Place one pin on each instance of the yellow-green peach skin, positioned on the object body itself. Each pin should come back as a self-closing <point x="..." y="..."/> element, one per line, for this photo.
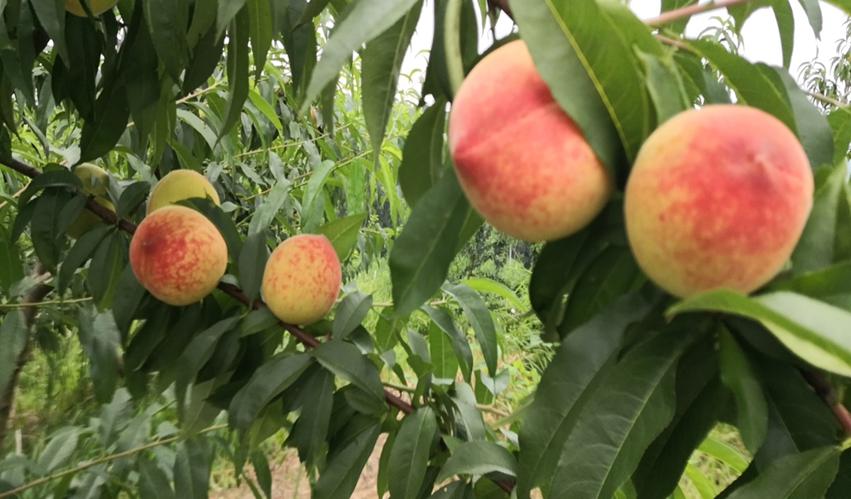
<point x="95" y="182"/>
<point x="97" y="7"/>
<point x="178" y="185"/>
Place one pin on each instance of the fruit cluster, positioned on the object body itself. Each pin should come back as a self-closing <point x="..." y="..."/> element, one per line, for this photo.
<point x="717" y="197"/>
<point x="179" y="256"/>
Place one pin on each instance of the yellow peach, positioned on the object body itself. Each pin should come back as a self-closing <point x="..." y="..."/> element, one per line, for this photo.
<point x="178" y="185"/>
<point x="521" y="160"/>
<point x="717" y="198"/>
<point x="302" y="279"/>
<point x="95" y="182"/>
<point x="178" y="255"/>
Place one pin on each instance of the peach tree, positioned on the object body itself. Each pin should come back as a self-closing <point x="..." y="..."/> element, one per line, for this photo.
<point x="694" y="208"/>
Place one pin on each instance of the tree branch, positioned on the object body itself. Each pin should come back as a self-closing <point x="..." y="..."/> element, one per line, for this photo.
<point x="231" y="290"/>
<point x="684" y="12"/>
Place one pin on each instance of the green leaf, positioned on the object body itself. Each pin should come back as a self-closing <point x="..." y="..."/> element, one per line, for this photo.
<point x="364" y="22"/>
<point x="267" y="382"/>
<point x="786" y="29"/>
<point x="842" y="485"/>
<point x="108" y="263"/>
<point x="252" y="263"/>
<point x="478" y="458"/>
<point x="725" y="453"/>
<point x="192" y="467"/>
<point x="611" y="274"/>
<point x="167" y="21"/>
<point x="59" y="449"/>
<point x="101" y="133"/>
<point x="269" y="208"/>
<point x="312" y="203"/>
<point x="350" y="314"/>
<point x="486" y="285"/>
<point x="828" y="284"/>
<point x="410" y="453"/>
<point x="614" y="429"/>
<point x="460" y="345"/>
<point x="576" y="368"/>
<point x="817" y="246"/>
<point x="346" y="361"/>
<point x="798" y="476"/>
<point x="265" y="107"/>
<point x="205" y="57"/>
<point x="664" y="84"/>
<point x="260" y="22"/>
<point x="237" y="67"/>
<point x="227" y="11"/>
<point x="480" y="319"/>
<point x="813" y="10"/>
<point x="299" y="41"/>
<point x="79" y="254"/>
<point x="422" y="157"/>
<point x="347" y="460"/>
<point x="813" y="330"/>
<point x="13" y="341"/>
<point x="153" y="482"/>
<point x="51" y="16"/>
<point x="381" y="64"/>
<point x="11" y="270"/>
<point x="343" y="233"/>
<point x="739" y="377"/>
<point x="313" y="9"/>
<point x="584" y="51"/>
<point x="145" y="340"/>
<point x="132" y="198"/>
<point x="444" y="362"/>
<point x="420" y="258"/>
<point x="813" y="128"/>
<point x="101" y="339"/>
<point x="51" y="178"/>
<point x="310" y="431"/>
<point x="197" y="353"/>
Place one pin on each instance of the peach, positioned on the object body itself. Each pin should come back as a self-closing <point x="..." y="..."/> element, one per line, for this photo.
<point x="717" y="198"/>
<point x="97" y="7"/>
<point x="302" y="279"/>
<point x="522" y="162"/>
<point x="178" y="185"/>
<point x="95" y="182"/>
<point x="178" y="255"/>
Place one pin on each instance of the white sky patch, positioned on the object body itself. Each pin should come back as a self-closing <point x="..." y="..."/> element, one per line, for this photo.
<point x="761" y="38"/>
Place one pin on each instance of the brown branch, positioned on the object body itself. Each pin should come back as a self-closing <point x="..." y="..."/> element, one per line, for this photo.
<point x="34" y="295"/>
<point x="684" y="12"/>
<point x="231" y="290"/>
<point x="824" y="389"/>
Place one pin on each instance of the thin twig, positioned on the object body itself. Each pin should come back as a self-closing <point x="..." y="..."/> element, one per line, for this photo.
<point x="685" y="12"/>
<point x="105" y="459"/>
<point x="43" y="303"/>
<point x="826" y="99"/>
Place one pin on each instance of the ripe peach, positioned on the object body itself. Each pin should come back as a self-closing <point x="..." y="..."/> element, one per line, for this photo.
<point x="302" y="279"/>
<point x="522" y="162"/>
<point x="97" y="7"/>
<point x="95" y="182"/>
<point x="717" y="198"/>
<point x="178" y="185"/>
<point x="178" y="255"/>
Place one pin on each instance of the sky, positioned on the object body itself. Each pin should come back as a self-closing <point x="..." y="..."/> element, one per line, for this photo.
<point x="761" y="39"/>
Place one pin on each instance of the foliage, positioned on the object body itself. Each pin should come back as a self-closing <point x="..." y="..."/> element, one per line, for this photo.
<point x="605" y="387"/>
